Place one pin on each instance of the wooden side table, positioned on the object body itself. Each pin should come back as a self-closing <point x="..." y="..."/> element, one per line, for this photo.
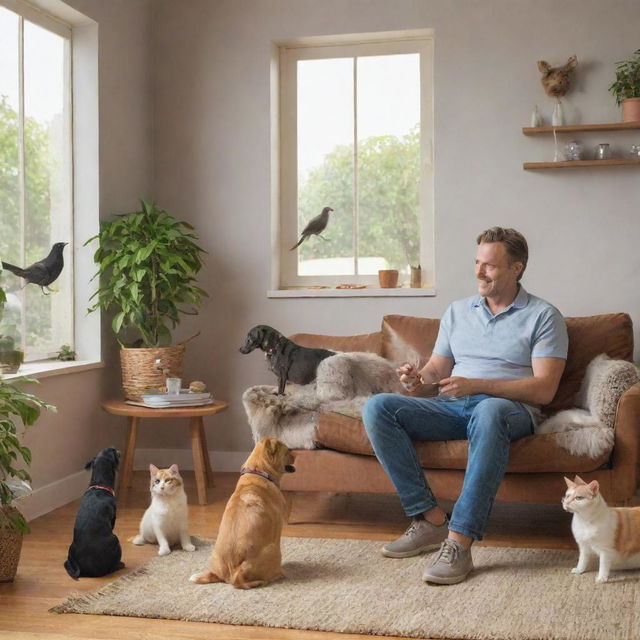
<point x="201" y="463"/>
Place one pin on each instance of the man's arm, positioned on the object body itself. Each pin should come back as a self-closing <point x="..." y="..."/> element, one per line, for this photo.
<point x="539" y="389"/>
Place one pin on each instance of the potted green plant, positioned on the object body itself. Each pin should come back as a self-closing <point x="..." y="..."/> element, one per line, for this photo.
<point x="14" y="404"/>
<point x="626" y="88"/>
<point x="147" y="262"/>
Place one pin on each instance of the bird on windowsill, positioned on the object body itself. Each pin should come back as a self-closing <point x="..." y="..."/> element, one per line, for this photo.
<point x="315" y="227"/>
<point x="44" y="272"/>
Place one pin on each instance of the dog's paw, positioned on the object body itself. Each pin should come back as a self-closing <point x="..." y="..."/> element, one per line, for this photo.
<point x="602" y="579"/>
<point x="164" y="551"/>
<point x="576" y="570"/>
<point x="189" y="547"/>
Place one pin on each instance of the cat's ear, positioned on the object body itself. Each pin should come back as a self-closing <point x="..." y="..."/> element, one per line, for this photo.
<point x="174" y="468"/>
<point x="153" y="469"/>
<point x="570" y="484"/>
<point x="579" y="480"/>
<point x="594" y="487"/>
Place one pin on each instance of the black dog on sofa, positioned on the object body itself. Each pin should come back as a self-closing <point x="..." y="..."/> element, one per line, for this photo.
<point x="95" y="550"/>
<point x="289" y="361"/>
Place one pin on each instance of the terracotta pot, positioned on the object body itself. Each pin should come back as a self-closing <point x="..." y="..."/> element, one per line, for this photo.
<point x="388" y="278"/>
<point x="631" y="110"/>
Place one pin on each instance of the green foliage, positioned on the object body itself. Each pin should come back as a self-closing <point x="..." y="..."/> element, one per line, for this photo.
<point x="14" y="404"/>
<point x="147" y="265"/>
<point x="627" y="83"/>
<point x="388" y="200"/>
<point x="66" y="353"/>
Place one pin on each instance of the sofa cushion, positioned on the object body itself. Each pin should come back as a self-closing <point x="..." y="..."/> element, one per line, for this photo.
<point x="371" y="342"/>
<point x="408" y="338"/>
<point x="533" y="454"/>
<point x="610" y="333"/>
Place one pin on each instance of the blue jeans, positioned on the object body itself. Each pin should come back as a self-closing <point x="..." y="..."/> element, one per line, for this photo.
<point x="490" y="424"/>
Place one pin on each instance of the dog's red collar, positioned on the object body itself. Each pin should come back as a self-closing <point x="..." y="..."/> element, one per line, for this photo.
<point x="257" y="472"/>
<point x="102" y="486"/>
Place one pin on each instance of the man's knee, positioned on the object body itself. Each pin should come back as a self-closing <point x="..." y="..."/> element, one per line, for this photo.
<point x="492" y="414"/>
<point x="374" y="407"/>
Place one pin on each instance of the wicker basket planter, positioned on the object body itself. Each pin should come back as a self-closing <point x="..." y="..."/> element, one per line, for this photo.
<point x="146" y="369"/>
<point x="10" y="547"/>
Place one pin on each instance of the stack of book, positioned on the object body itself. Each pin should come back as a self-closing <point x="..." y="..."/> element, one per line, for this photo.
<point x="185" y="398"/>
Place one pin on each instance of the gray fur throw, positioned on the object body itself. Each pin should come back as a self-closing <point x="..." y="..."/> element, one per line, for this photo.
<point x="588" y="431"/>
<point x="344" y="382"/>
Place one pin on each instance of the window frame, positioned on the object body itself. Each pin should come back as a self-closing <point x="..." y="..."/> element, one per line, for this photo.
<point x="285" y="235"/>
<point x="83" y="34"/>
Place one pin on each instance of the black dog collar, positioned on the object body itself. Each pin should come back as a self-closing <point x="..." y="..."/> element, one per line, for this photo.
<point x="102" y="486"/>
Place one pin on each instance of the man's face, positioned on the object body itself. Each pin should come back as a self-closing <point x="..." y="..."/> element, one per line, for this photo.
<point x="496" y="275"/>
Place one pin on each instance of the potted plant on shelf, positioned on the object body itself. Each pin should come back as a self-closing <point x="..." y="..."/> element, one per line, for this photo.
<point x="14" y="404"/>
<point x="626" y="88"/>
<point x="147" y="262"/>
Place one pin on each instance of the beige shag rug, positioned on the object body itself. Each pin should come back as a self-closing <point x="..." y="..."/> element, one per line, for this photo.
<point x="347" y="586"/>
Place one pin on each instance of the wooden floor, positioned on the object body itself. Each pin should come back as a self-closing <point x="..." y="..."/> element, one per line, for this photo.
<point x="42" y="581"/>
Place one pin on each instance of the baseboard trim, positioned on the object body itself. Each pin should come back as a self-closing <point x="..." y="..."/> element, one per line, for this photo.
<point x="54" y="495"/>
<point x="65" y="490"/>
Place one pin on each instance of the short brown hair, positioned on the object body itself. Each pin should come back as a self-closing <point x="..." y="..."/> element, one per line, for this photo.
<point x="514" y="242"/>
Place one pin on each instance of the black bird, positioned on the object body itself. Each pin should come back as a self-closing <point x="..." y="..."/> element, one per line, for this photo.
<point x="43" y="272"/>
<point x="315" y="227"/>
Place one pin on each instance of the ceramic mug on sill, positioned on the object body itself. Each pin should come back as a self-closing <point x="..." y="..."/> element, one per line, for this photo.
<point x="388" y="278"/>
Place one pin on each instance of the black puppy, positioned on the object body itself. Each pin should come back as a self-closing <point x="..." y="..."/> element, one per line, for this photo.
<point x="289" y="361"/>
<point x="95" y="550"/>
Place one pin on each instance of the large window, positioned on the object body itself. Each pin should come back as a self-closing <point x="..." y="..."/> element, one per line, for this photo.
<point x="356" y="129"/>
<point x="35" y="175"/>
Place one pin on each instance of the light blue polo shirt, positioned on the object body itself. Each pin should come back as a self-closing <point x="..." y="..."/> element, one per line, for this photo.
<point x="502" y="346"/>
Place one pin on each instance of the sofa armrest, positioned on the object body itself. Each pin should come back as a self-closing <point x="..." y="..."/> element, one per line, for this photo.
<point x="626" y="449"/>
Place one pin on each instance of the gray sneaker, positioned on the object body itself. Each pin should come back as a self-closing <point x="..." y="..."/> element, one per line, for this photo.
<point x="419" y="537"/>
<point x="453" y="564"/>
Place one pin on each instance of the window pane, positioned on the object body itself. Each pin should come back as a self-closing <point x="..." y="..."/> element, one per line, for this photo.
<point x="48" y="321"/>
<point x="10" y="198"/>
<point x="388" y="162"/>
<point x="325" y="163"/>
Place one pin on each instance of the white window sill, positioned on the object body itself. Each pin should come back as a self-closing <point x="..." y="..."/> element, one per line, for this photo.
<point x="368" y="292"/>
<point x="48" y="368"/>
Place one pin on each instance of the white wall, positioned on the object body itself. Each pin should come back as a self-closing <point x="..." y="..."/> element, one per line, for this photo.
<point x="61" y="443"/>
<point x="211" y="128"/>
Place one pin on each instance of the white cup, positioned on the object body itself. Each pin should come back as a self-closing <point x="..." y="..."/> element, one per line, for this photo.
<point x="174" y="385"/>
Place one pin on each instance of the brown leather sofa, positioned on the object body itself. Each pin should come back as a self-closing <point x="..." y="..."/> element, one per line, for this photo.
<point x="344" y="461"/>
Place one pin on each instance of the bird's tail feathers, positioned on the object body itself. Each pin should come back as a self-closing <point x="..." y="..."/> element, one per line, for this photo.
<point x="12" y="267"/>
<point x="297" y="244"/>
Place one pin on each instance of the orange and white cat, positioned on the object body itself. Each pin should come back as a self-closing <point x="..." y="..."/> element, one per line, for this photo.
<point x="610" y="534"/>
<point x="166" y="520"/>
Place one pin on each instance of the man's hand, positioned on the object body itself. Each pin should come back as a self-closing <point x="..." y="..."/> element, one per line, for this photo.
<point x="410" y="377"/>
<point x="456" y="386"/>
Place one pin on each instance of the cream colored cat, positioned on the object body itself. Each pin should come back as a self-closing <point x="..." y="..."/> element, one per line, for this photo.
<point x="166" y="520"/>
<point x="608" y="533"/>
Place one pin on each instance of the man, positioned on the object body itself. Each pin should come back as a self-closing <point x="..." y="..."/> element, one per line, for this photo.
<point x="498" y="356"/>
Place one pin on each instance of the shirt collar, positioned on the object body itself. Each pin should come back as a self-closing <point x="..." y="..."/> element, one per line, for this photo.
<point x="520" y="302"/>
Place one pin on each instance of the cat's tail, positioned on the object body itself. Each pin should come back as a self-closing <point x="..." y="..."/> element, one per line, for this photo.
<point x="72" y="567"/>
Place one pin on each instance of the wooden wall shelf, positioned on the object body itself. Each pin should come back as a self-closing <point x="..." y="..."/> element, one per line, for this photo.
<point x="577" y="164"/>
<point x="573" y="128"/>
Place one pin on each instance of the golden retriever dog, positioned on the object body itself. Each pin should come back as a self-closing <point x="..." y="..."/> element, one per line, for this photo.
<point x="247" y="550"/>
